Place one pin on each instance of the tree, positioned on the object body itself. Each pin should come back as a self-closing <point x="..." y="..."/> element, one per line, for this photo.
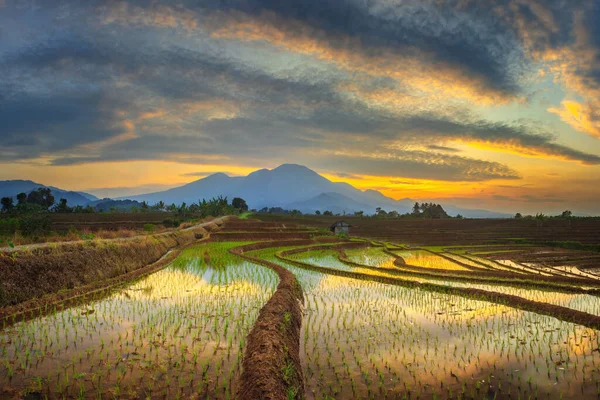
<point x="144" y="206"/>
<point x="62" y="207"/>
<point x="359" y="213"/>
<point x="182" y="210"/>
<point x="21" y="198"/>
<point x="7" y="204"/>
<point x="416" y="209"/>
<point x="432" y="210"/>
<point x="459" y="216"/>
<point x="160" y="206"/>
<point x="327" y="213"/>
<point x="518" y="215"/>
<point x="239" y="203"/>
<point x="42" y="197"/>
<point x="566" y="214"/>
<point x="317" y="212"/>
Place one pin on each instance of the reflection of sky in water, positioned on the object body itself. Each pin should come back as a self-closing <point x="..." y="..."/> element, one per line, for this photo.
<point x="580" y="302"/>
<point x="165" y="327"/>
<point x="426" y="259"/>
<point x="381" y="337"/>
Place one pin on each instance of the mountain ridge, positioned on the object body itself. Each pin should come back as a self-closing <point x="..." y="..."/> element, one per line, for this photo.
<point x="291" y="186"/>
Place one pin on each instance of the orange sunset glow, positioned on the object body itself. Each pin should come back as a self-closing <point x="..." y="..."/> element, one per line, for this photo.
<point x="448" y="101"/>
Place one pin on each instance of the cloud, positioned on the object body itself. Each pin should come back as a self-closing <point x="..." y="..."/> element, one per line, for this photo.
<point x="442" y="148"/>
<point x="347" y="175"/>
<point x="582" y="117"/>
<point x="204" y="173"/>
<point x="377" y="85"/>
<point x="419" y="165"/>
<point x="545" y="199"/>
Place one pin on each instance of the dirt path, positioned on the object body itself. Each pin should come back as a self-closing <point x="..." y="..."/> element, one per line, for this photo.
<point x="33" y="246"/>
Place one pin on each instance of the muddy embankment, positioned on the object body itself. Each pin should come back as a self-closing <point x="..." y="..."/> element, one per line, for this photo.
<point x="271" y="364"/>
<point x="53" y="273"/>
<point x="403" y="270"/>
<point x="558" y="312"/>
<point x="255" y="236"/>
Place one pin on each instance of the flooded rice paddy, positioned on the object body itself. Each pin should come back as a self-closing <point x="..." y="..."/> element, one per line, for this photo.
<point x="181" y="333"/>
<point x="369" y="340"/>
<point x="177" y="332"/>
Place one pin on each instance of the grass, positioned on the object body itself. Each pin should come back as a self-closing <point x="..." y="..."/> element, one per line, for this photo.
<point x="365" y="339"/>
<point x="192" y="316"/>
<point x="245" y="215"/>
<point x="181" y="332"/>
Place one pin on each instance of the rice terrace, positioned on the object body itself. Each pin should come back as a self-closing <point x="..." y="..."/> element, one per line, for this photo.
<point x="300" y="199"/>
<point x="276" y="306"/>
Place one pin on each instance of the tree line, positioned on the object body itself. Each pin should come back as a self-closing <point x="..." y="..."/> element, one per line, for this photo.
<point x="42" y="200"/>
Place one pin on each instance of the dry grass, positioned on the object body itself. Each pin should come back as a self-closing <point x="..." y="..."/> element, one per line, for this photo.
<point x="74" y="235"/>
<point x="33" y="273"/>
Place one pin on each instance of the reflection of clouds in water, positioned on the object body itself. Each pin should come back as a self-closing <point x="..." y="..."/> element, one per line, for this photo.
<point x="425" y="259"/>
<point x="181" y="313"/>
<point x="423" y="338"/>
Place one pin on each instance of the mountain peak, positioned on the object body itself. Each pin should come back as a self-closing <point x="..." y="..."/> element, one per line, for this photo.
<point x="217" y="175"/>
<point x="293" y="168"/>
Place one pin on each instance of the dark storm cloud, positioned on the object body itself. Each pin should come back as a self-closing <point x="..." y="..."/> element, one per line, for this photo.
<point x="481" y="44"/>
<point x="32" y="125"/>
<point x="86" y="83"/>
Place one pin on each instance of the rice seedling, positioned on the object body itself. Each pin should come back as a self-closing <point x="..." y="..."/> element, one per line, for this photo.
<point x="174" y="333"/>
<point x="369" y="340"/>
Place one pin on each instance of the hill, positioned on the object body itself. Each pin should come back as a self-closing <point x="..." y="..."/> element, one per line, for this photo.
<point x="12" y="188"/>
<point x="291" y="186"/>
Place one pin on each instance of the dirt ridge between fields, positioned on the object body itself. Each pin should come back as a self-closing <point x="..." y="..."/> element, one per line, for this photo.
<point x="271" y="363"/>
<point x="554" y="311"/>
<point x="36" y="277"/>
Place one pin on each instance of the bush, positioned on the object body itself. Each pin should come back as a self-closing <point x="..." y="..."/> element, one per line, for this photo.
<point x="171" y="223"/>
<point x="149" y="228"/>
<point x="36" y="225"/>
<point x="9" y="226"/>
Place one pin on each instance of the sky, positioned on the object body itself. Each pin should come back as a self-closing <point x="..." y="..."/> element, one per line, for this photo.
<point x="476" y="103"/>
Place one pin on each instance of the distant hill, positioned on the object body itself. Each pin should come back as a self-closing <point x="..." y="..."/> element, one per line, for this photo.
<point x="106" y="204"/>
<point x="292" y="186"/>
<point x="13" y="187"/>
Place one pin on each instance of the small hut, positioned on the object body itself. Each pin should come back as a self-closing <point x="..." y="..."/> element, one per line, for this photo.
<point x="340" y="227"/>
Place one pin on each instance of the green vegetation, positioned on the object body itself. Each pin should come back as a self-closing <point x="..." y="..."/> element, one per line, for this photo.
<point x="176" y="333"/>
<point x="378" y="321"/>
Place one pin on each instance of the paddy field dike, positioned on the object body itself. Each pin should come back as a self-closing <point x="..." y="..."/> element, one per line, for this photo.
<point x="280" y="308"/>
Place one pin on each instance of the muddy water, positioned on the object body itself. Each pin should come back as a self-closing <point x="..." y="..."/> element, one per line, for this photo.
<point x="369" y="340"/>
<point x="176" y="333"/>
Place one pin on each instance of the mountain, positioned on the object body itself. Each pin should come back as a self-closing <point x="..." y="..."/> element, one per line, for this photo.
<point x="108" y="204"/>
<point x="13" y="187"/>
<point x="292" y="186"/>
